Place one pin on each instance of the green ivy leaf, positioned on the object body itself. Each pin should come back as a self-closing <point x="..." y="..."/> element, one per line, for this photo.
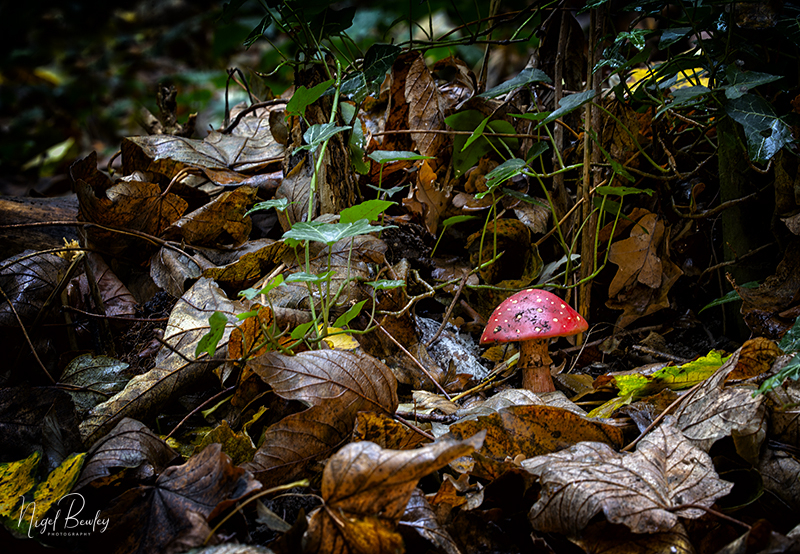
<point x="671" y="36"/>
<point x="740" y="82"/>
<point x="386" y="284"/>
<point x="303" y="97"/>
<point x="330" y="233"/>
<point x="501" y="174"/>
<point x="569" y="104"/>
<point x="279" y="204"/>
<point x="766" y="133"/>
<point x="349" y="315"/>
<point x="527" y="75"/>
<point x="258" y="31"/>
<point x="252" y="293"/>
<point x="469" y="120"/>
<point x="387" y="156"/>
<point x="622" y="191"/>
<point x="732" y="296"/>
<point x="313" y="278"/>
<point x="209" y="341"/>
<point x="319" y="133"/>
<point x="369" y="210"/>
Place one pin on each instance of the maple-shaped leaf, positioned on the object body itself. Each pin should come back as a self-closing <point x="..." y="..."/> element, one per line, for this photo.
<point x="366" y="489"/>
<point x="637" y="256"/>
<point x="646" y="491"/>
<point x="151" y="518"/>
<point x="715" y="411"/>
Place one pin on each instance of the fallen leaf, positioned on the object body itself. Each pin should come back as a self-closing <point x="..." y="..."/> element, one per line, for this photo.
<point x="220" y="222"/>
<point x="337" y="384"/>
<point x="386" y="432"/>
<point x="756" y="357"/>
<point x="531" y="431"/>
<point x="779" y="471"/>
<point x="176" y="366"/>
<point x="131" y="451"/>
<point x="426" y="108"/>
<point x="151" y="518"/>
<point x="420" y="517"/>
<point x="428" y="197"/>
<point x="366" y="489"/>
<point x="605" y="537"/>
<point x="715" y="411"/>
<point x="644" y="491"/>
<point x="27" y="282"/>
<point x="34" y="499"/>
<point x="134" y="204"/>
<point x="762" y="306"/>
<point x="636" y="256"/>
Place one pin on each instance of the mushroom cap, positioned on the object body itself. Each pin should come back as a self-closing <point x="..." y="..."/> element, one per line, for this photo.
<point x="532" y="314"/>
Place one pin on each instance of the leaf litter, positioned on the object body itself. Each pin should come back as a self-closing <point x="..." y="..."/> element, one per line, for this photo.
<point x="373" y="464"/>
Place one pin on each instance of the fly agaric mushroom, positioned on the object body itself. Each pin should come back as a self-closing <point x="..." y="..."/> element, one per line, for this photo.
<point x="533" y="316"/>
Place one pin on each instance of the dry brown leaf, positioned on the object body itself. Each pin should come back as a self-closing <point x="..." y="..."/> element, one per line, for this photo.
<point x="715" y="411"/>
<point x="366" y="489"/>
<point x="428" y="199"/>
<point x="131" y="447"/>
<point x="420" y="517"/>
<point x="643" y="491"/>
<point x="530" y="431"/>
<point x="386" y="432"/>
<point x="636" y="256"/>
<point x="175" y="368"/>
<point x="220" y="222"/>
<point x="785" y="408"/>
<point x="603" y="537"/>
<point x="252" y="261"/>
<point x="294" y="188"/>
<point x="135" y="204"/>
<point x="154" y="518"/>
<point x="425" y="108"/>
<point x="779" y="471"/>
<point x="763" y="306"/>
<point x="337" y="384"/>
<point x="27" y="281"/>
<point x="756" y="357"/>
<point x="249" y="148"/>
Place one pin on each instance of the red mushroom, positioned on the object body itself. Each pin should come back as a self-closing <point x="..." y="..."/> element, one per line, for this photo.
<point x="533" y="316"/>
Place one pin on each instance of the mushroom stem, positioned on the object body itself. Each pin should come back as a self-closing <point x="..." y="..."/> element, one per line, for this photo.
<point x="534" y="361"/>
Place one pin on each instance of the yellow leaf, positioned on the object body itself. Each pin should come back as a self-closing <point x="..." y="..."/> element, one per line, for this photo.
<point x="339" y="340"/>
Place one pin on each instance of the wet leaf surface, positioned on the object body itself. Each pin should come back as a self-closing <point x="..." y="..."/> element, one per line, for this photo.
<point x="644" y="491"/>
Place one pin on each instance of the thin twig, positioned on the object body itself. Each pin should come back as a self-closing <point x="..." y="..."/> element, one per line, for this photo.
<point x="414" y="427"/>
<point x="453" y="132"/>
<point x="199" y="408"/>
<point x="251" y="109"/>
<point x="413" y="359"/>
<point x="713" y="512"/>
<point x="736" y="260"/>
<point x="27" y="338"/>
<point x="117" y="317"/>
<point x="662" y="415"/>
<point x="449" y="311"/>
